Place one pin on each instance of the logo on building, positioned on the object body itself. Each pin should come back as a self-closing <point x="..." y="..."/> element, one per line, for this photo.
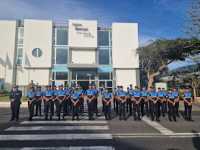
<point x="37" y="52"/>
<point x="81" y="29"/>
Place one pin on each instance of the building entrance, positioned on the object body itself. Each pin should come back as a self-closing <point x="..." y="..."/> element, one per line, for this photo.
<point x="83" y="84"/>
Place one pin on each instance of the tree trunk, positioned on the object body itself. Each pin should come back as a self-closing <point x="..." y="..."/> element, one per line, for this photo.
<point x="150" y="81"/>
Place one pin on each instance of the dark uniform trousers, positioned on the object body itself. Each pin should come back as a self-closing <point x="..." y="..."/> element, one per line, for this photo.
<point x="136" y="109"/>
<point x="163" y="106"/>
<point x="75" y="110"/>
<point x="154" y="109"/>
<point x="116" y="105"/>
<point x="60" y="107"/>
<point x="171" y="111"/>
<point x="15" y="107"/>
<point x="177" y="108"/>
<point x="144" y="106"/>
<point x="38" y="105"/>
<point x="188" y="110"/>
<point x="48" y="106"/>
<point x="31" y="104"/>
<point x="107" y="110"/>
<point x="129" y="104"/>
<point x="90" y="108"/>
<point x="81" y="99"/>
<point x="96" y="105"/>
<point x="122" y="110"/>
<point x="15" y="97"/>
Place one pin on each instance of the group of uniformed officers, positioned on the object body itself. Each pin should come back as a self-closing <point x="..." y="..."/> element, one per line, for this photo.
<point x="151" y="103"/>
<point x="62" y="101"/>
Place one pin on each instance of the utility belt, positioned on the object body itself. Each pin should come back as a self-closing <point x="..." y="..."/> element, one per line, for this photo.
<point x="188" y="99"/>
<point x="90" y="96"/>
<point x="49" y="98"/>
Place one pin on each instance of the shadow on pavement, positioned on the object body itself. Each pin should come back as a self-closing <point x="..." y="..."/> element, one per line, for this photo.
<point x="196" y="140"/>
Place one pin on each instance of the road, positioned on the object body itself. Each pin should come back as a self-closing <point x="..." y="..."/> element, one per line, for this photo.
<point x="98" y="134"/>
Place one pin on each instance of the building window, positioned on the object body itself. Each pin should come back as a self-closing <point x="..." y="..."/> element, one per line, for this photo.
<point x="103" y="38"/>
<point x="60" y="76"/>
<point x="83" y="75"/>
<point x="19" y="56"/>
<point x="61" y="36"/>
<point x="61" y="56"/>
<point x="104" y="56"/>
<point x="20" y="35"/>
<point x="104" y="76"/>
<point x="37" y="52"/>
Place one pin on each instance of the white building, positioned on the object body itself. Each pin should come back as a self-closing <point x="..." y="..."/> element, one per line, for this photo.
<point x="77" y="52"/>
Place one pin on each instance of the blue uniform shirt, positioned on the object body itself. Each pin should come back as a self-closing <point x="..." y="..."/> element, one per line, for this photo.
<point x="48" y="93"/>
<point x="38" y="93"/>
<point x="90" y="92"/>
<point x="161" y="94"/>
<point x="122" y="93"/>
<point x="144" y="93"/>
<point x="153" y="94"/>
<point x="187" y="95"/>
<point x="171" y="95"/>
<point x="137" y="93"/>
<point x="75" y="95"/>
<point x="31" y="94"/>
<point x="67" y="91"/>
<point x="175" y="93"/>
<point x="131" y="92"/>
<point x="107" y="95"/>
<point x="60" y="93"/>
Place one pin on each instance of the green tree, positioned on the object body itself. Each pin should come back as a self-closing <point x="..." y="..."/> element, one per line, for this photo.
<point x="155" y="57"/>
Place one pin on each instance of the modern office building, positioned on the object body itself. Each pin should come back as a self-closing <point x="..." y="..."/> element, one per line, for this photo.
<point x="76" y="52"/>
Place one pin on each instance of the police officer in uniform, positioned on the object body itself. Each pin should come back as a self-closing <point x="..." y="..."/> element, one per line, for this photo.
<point x="116" y="100"/>
<point x="31" y="102"/>
<point x="15" y="101"/>
<point x="144" y="102"/>
<point x="75" y="99"/>
<point x="122" y="103"/>
<point x="188" y="104"/>
<point x="67" y="101"/>
<point x="95" y="100"/>
<point x="48" y="98"/>
<point x="90" y="96"/>
<point x="107" y="100"/>
<point x="136" y="98"/>
<point x="153" y="105"/>
<point x="171" y="105"/>
<point x="38" y="97"/>
<point x="176" y="94"/>
<point x="164" y="102"/>
<point x="54" y="90"/>
<point x="161" y="100"/>
<point x="60" y="98"/>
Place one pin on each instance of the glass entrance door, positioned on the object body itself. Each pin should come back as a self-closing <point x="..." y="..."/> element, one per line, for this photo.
<point x="84" y="77"/>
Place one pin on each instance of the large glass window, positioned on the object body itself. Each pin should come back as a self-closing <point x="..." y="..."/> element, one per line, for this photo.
<point x="104" y="76"/>
<point x="19" y="56"/>
<point x="83" y="75"/>
<point x="103" y="38"/>
<point x="61" y="36"/>
<point x="60" y="76"/>
<point x="20" y="35"/>
<point x="61" y="55"/>
<point x="104" y="56"/>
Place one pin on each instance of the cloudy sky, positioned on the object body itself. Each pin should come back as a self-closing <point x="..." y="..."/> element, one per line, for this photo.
<point x="156" y="18"/>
